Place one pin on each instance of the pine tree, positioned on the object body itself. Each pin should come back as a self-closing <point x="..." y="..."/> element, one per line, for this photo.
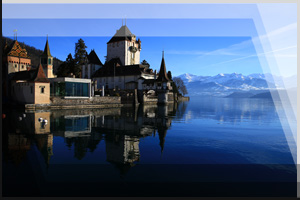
<point x="80" y="56"/>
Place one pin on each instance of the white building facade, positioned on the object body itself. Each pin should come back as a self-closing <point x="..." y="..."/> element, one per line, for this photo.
<point x="125" y="46"/>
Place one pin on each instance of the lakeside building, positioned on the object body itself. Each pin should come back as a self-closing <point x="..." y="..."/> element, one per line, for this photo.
<point x="23" y="84"/>
<point x="122" y="75"/>
<point x="26" y="85"/>
<point x="123" y="71"/>
<point x="122" y="68"/>
<point x="92" y="64"/>
<point x="115" y="76"/>
<point x="125" y="46"/>
<point x="14" y="59"/>
<point x="30" y="87"/>
<point x="68" y="87"/>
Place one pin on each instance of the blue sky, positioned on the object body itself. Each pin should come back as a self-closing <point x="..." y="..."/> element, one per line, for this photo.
<point x="197" y="39"/>
<point x="195" y="55"/>
<point x="200" y="55"/>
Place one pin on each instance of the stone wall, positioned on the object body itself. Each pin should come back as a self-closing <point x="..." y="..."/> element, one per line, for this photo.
<point x="150" y="99"/>
<point x="183" y="98"/>
<point x="22" y="92"/>
<point x="85" y="101"/>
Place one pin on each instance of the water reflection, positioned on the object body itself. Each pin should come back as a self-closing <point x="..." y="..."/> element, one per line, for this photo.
<point x="120" y="128"/>
<point x="125" y="145"/>
<point x="232" y="111"/>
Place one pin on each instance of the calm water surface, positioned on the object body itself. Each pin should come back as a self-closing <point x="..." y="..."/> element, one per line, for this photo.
<point x="204" y="147"/>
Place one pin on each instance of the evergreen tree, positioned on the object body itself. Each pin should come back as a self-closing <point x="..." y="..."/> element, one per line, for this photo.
<point x="80" y="56"/>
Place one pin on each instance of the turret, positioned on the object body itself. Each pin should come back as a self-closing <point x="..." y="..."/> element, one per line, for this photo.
<point x="46" y="61"/>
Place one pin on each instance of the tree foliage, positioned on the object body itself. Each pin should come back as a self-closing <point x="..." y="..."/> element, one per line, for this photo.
<point x="80" y="52"/>
<point x="67" y="67"/>
<point x="79" y="57"/>
<point x="179" y="84"/>
<point x="144" y="62"/>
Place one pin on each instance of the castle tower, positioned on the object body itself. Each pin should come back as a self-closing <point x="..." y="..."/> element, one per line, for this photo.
<point x="46" y="60"/>
<point x="163" y="82"/>
<point x="125" y="46"/>
<point x="14" y="59"/>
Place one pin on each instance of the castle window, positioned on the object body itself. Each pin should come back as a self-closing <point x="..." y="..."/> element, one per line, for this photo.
<point x="42" y="89"/>
<point x="49" y="61"/>
<point x="16" y="66"/>
<point x="22" y="66"/>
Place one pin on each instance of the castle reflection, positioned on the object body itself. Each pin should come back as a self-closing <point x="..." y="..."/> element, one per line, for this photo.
<point x="120" y="128"/>
<point x="22" y="130"/>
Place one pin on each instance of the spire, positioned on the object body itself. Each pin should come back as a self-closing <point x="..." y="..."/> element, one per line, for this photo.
<point x="162" y="135"/>
<point x="162" y="76"/>
<point x="47" y="49"/>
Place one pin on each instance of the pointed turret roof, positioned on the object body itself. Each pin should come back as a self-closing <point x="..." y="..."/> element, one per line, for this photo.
<point x="122" y="34"/>
<point x="47" y="49"/>
<point x="93" y="58"/>
<point x="162" y="76"/>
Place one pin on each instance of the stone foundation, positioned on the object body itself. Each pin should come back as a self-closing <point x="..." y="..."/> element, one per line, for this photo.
<point x="85" y="101"/>
<point x="77" y="103"/>
<point x="183" y="98"/>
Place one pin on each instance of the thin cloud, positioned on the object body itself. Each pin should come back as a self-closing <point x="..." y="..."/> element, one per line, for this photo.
<point x="236" y="49"/>
<point x="176" y="52"/>
<point x="257" y="55"/>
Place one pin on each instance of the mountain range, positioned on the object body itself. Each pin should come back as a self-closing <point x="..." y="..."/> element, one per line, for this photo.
<point x="226" y="84"/>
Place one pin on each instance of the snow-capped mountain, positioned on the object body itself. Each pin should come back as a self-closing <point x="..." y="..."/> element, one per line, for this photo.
<point x="187" y="78"/>
<point x="225" y="84"/>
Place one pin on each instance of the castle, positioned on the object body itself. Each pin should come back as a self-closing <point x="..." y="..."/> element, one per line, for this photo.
<point x="121" y="73"/>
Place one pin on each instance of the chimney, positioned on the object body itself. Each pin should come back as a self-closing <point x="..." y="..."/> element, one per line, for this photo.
<point x="155" y="74"/>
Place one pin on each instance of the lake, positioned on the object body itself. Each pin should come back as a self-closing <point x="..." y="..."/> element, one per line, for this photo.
<point x="205" y="147"/>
